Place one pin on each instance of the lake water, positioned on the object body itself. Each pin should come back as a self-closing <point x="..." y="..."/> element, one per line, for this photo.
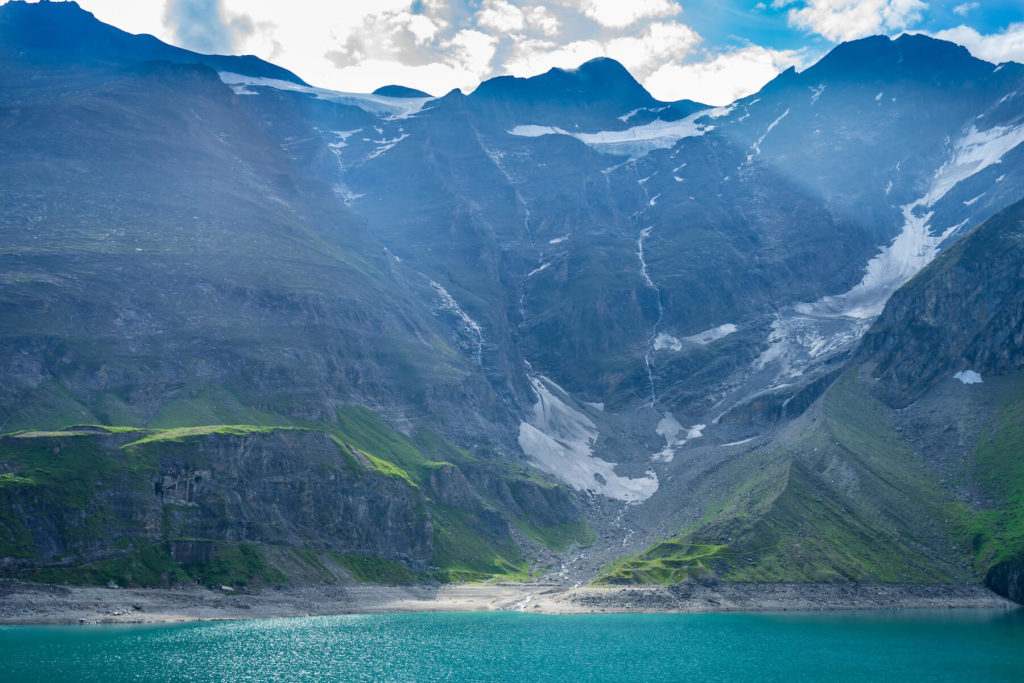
<point x="909" y="646"/>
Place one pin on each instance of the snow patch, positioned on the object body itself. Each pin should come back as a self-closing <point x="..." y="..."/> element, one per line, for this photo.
<point x="971" y="201"/>
<point x="558" y="240"/>
<point x="559" y="440"/>
<point x="757" y="145"/>
<point x="469" y="326"/>
<point x="667" y="341"/>
<point x="916" y="246"/>
<point x="713" y="334"/>
<point x="738" y="443"/>
<point x="384" y="145"/>
<point x="878" y="97"/>
<point x="968" y="377"/>
<point x="816" y="93"/>
<point x="637" y="141"/>
<point x="543" y="266"/>
<point x="669" y="428"/>
<point x="797" y="340"/>
<point x="972" y="153"/>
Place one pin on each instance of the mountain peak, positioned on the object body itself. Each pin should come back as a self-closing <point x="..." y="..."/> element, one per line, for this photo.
<point x="54" y="32"/>
<point x="915" y="56"/>
<point x="399" y="91"/>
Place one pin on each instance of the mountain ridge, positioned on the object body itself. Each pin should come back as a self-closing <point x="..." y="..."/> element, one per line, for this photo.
<point x="544" y="322"/>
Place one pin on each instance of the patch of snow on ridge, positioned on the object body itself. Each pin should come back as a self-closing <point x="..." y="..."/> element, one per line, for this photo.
<point x="968" y="377"/>
<point x="972" y="153"/>
<point x="667" y="341"/>
<point x="559" y="440"/>
<point x="712" y="335"/>
<point x="669" y="429"/>
<point x="757" y="145"/>
<point x="543" y="266"/>
<point x="385" y="144"/>
<point x="916" y="246"/>
<point x="738" y="443"/>
<point x="392" y="107"/>
<point x="637" y="141"/>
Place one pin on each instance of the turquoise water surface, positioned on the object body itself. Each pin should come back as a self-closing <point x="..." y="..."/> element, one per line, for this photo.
<point x="952" y="645"/>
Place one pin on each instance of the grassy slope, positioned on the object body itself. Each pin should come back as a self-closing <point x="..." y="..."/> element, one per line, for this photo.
<point x="996" y="534"/>
<point x="843" y="500"/>
<point x="465" y="549"/>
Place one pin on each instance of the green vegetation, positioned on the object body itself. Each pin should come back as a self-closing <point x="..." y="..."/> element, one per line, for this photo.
<point x="234" y="564"/>
<point x="374" y="569"/>
<point x="213" y="406"/>
<point x="184" y="433"/>
<point x="996" y="535"/>
<point x="361" y="428"/>
<point x="465" y="553"/>
<point x="558" y="536"/>
<point x="843" y="500"/>
<point x="664" y="563"/>
<point x="67" y="468"/>
<point x="148" y="565"/>
<point x="49" y="406"/>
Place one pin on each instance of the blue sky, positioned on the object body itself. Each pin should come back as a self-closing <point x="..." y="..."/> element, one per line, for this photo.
<point x="707" y="50"/>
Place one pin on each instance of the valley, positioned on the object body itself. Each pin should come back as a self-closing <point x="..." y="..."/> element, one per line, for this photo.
<point x="260" y="335"/>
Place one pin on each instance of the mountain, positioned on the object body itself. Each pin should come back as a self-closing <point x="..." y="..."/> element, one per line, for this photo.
<point x="62" y="33"/>
<point x="549" y="313"/>
<point x="907" y="469"/>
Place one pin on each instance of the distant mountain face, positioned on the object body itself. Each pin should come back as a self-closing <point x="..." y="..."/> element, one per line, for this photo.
<point x="559" y="271"/>
<point x="678" y="264"/>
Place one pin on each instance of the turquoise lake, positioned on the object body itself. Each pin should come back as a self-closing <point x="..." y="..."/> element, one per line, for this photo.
<point x="495" y="646"/>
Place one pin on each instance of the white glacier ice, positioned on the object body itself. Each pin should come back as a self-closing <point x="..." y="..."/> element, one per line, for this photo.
<point x="916" y="246"/>
<point x="391" y="107"/>
<point x="669" y="428"/>
<point x="667" y="341"/>
<point x="636" y="141"/>
<point x="559" y="440"/>
<point x="713" y="334"/>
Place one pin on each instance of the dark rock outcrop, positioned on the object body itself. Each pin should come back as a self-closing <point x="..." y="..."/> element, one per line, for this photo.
<point x="965" y="311"/>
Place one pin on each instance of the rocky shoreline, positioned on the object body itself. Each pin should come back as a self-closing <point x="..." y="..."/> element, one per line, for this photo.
<point x="26" y="603"/>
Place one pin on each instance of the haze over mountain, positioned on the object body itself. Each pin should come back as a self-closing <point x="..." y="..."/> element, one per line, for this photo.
<point x="551" y="313"/>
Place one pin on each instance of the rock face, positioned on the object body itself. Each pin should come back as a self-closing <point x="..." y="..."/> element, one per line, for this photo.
<point x="293" y="488"/>
<point x="88" y="495"/>
<point x="965" y="312"/>
<point x="282" y="487"/>
<point x="1007" y="579"/>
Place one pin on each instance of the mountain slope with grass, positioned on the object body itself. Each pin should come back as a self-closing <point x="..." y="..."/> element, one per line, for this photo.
<point x="552" y="325"/>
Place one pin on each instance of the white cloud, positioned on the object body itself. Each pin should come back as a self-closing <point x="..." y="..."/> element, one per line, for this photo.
<point x="534" y="56"/>
<point x="501" y="16"/>
<point x="543" y="20"/>
<point x="661" y="42"/>
<point x="1005" y="46"/>
<point x="134" y="17"/>
<point x="622" y="13"/>
<point x="434" y="45"/>
<point x="849" y="19"/>
<point x="963" y="9"/>
<point x="723" y="78"/>
<point x="471" y="50"/>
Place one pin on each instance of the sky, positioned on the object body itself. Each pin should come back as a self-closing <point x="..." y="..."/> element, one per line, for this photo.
<point x="711" y="51"/>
